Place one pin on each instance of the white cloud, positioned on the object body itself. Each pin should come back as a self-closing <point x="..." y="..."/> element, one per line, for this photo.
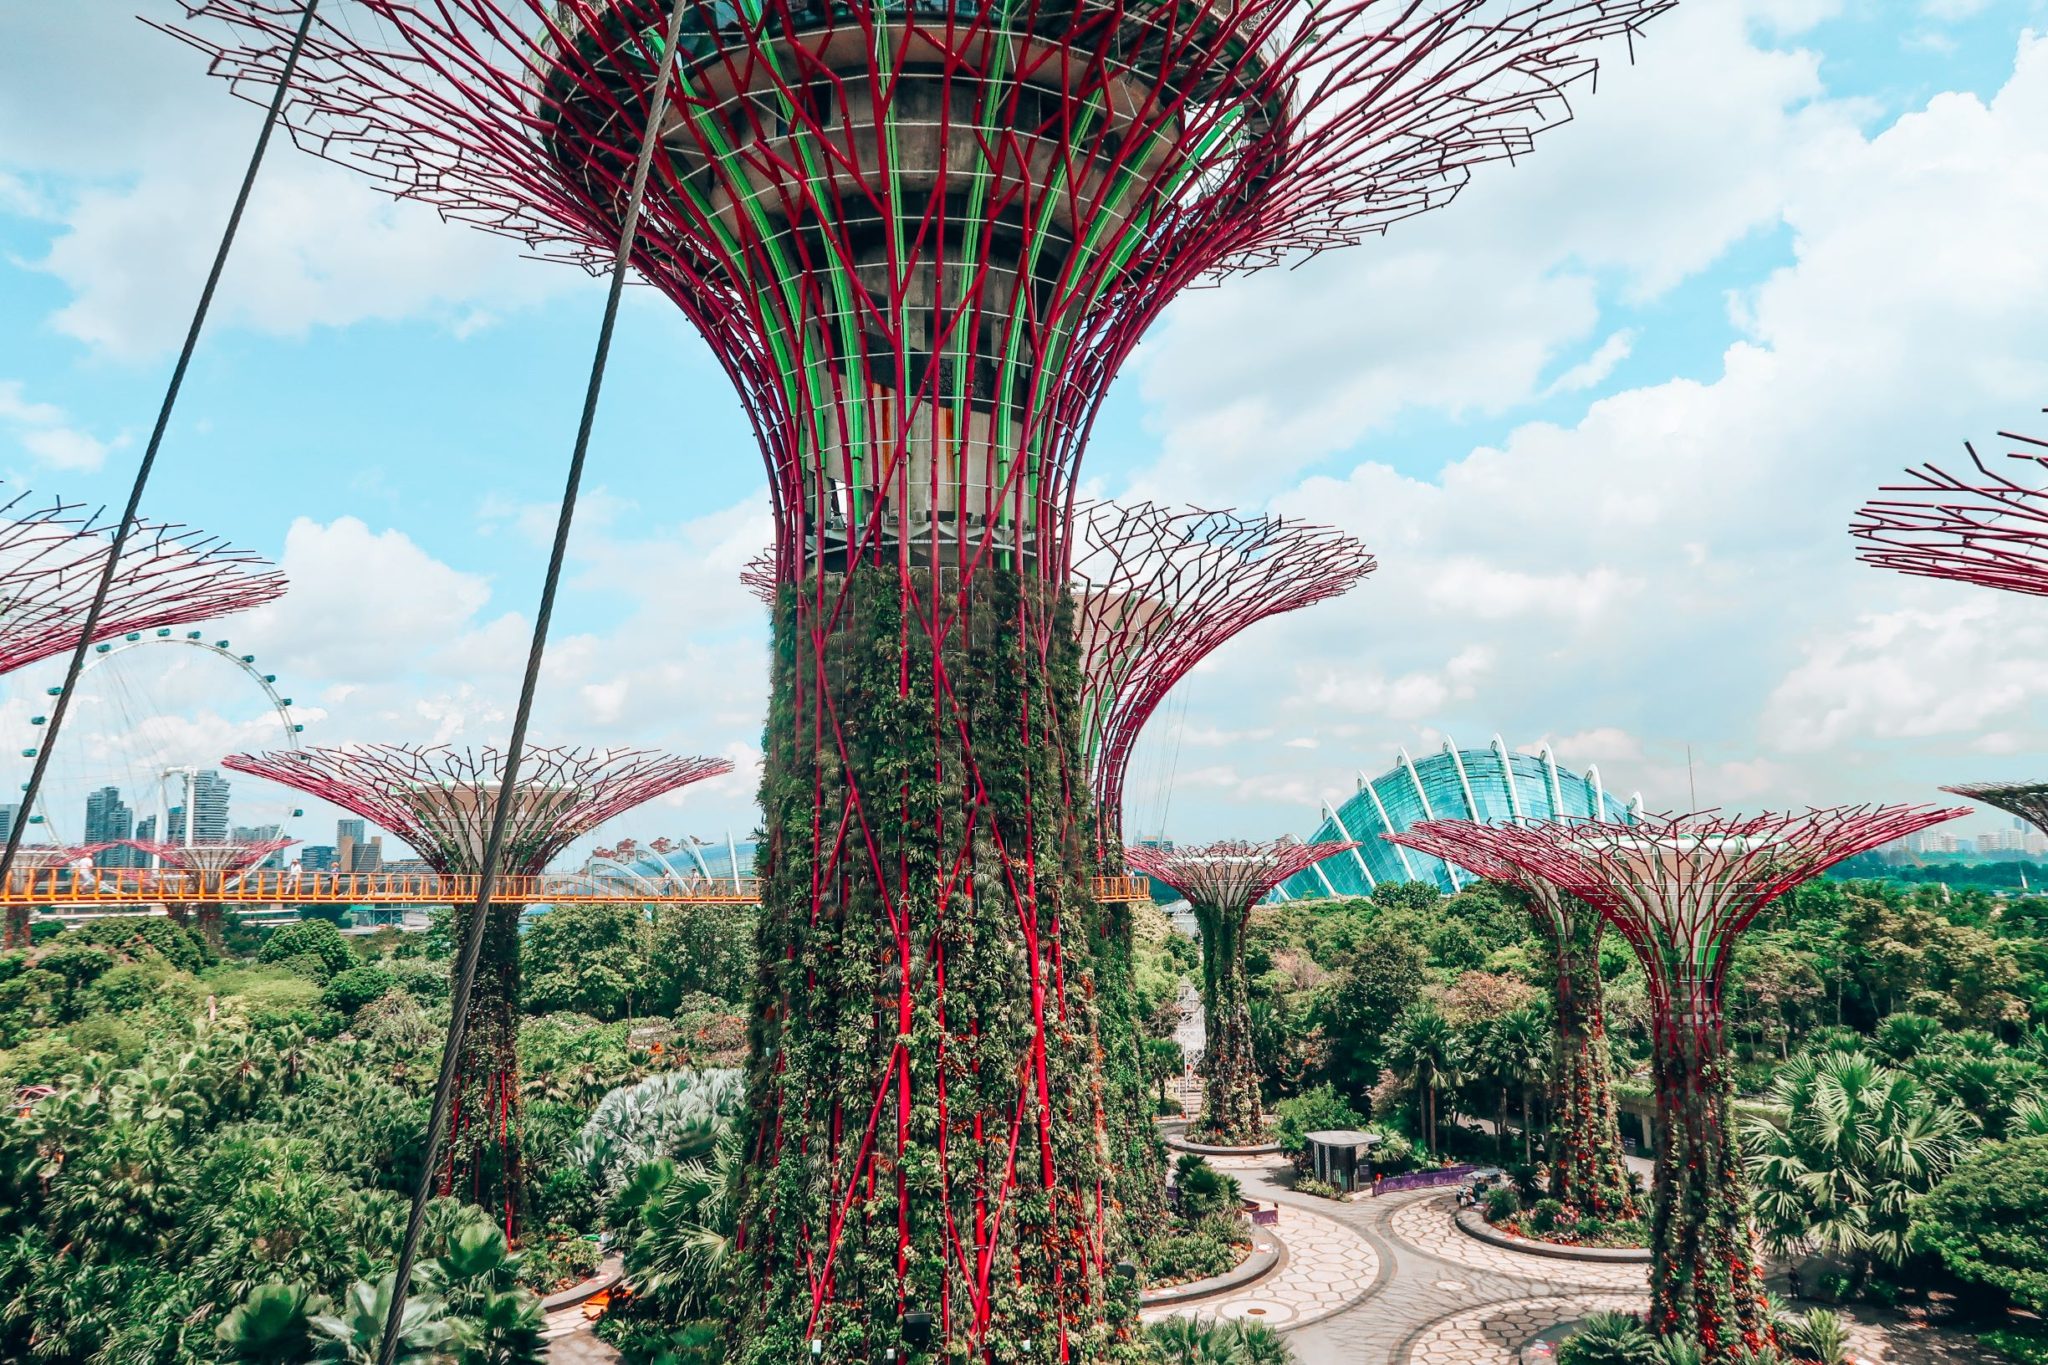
<point x="1595" y="368"/>
<point x="160" y="152"/>
<point x="1466" y="310"/>
<point x="44" y="430"/>
<point x="1672" y="569"/>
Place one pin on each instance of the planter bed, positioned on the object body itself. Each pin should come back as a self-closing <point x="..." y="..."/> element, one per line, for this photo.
<point x="1265" y="1253"/>
<point x="1473" y="1225"/>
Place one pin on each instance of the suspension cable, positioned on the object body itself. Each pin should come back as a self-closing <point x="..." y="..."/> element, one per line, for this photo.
<point x="472" y="942"/>
<point x="156" y="439"/>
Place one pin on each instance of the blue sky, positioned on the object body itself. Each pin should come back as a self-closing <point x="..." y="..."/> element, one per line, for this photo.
<point x="1603" y="420"/>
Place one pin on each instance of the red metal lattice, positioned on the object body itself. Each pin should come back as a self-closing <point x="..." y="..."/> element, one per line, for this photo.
<point x="2027" y="800"/>
<point x="1157" y="591"/>
<point x="1680" y="888"/>
<point x="225" y="859"/>
<point x="51" y="559"/>
<point x="1231" y="875"/>
<point x="1990" y="529"/>
<point x="439" y="799"/>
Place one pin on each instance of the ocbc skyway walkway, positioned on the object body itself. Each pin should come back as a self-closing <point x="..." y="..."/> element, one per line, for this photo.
<point x="67" y="887"/>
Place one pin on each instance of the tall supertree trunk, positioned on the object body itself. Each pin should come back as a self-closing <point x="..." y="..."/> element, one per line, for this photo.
<point x="926" y="1121"/>
<point x="1137" y="1156"/>
<point x="210" y="924"/>
<point x="1230" y="1093"/>
<point x="1706" y="1282"/>
<point x="483" y="1161"/>
<point x="1588" y="1174"/>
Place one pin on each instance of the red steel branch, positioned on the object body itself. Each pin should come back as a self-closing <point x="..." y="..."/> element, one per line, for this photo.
<point x="51" y="559"/>
<point x="438" y="799"/>
<point x="1157" y="591"/>
<point x="225" y="859"/>
<point x="1252" y="132"/>
<point x="1232" y="875"/>
<point x="2027" y="800"/>
<point x="1985" y="526"/>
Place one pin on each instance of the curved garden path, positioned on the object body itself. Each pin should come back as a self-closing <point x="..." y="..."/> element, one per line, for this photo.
<point x="1439" y="1297"/>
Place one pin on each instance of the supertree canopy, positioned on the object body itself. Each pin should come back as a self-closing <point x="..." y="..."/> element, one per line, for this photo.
<point x="1587" y="1173"/>
<point x="1988" y="527"/>
<point x="1157" y="591"/>
<point x="2027" y="800"/>
<point x="1222" y="882"/>
<point x="215" y="864"/>
<point x="1681" y="889"/>
<point x="51" y="560"/>
<point x="921" y="239"/>
<point x="441" y="800"/>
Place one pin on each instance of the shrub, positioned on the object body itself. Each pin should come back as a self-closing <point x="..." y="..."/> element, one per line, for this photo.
<point x="1395" y="1154"/>
<point x="137" y="937"/>
<point x="349" y="991"/>
<point x="1608" y="1339"/>
<point x="1205" y="1341"/>
<point x="1204" y="1190"/>
<point x="1819" y="1336"/>
<point x="1308" y="1184"/>
<point x="1502" y="1202"/>
<point x="677" y="1114"/>
<point x="1988" y="1221"/>
<point x="1312" y="1111"/>
<point x="1545" y="1215"/>
<point x="309" y="938"/>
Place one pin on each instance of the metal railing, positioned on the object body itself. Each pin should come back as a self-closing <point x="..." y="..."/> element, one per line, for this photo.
<point x="1423" y="1180"/>
<point x="272" y="886"/>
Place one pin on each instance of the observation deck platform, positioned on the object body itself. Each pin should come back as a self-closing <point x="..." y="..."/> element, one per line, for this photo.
<point x="111" y="888"/>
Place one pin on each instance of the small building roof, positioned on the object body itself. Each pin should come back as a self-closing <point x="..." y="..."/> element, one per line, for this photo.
<point x="1344" y="1137"/>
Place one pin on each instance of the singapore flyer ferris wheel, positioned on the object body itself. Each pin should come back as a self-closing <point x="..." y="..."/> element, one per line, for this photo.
<point x="152" y="714"/>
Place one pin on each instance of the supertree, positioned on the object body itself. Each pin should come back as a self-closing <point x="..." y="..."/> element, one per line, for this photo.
<point x="1682" y="889"/>
<point x="51" y="559"/>
<point x="1222" y="882"/>
<point x="920" y="240"/>
<point x="440" y="800"/>
<point x="1587" y="1172"/>
<point x="758" y="578"/>
<point x="1987" y="528"/>
<point x="1156" y="591"/>
<point x="216" y="864"/>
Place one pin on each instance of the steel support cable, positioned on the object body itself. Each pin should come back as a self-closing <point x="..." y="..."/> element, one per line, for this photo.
<point x="156" y="438"/>
<point x="472" y="942"/>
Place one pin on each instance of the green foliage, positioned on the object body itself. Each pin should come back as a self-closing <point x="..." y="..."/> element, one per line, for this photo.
<point x="1204" y="1190"/>
<point x="273" y="1326"/>
<point x="137" y="938"/>
<point x="1859" y="1143"/>
<point x="682" y="1222"/>
<point x="1988" y="1221"/>
<point x="1384" y="976"/>
<point x="1319" y="1110"/>
<point x="349" y="991"/>
<point x="1204" y="1341"/>
<point x="677" y="1114"/>
<point x="1501" y="1203"/>
<point x="591" y="959"/>
<point x="314" y="939"/>
<point x="1608" y="1339"/>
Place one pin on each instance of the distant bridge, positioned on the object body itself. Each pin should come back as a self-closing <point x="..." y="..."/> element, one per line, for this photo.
<point x="76" y="893"/>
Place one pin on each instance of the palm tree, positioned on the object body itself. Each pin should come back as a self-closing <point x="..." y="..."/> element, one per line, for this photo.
<point x="1514" y="1055"/>
<point x="687" y="1220"/>
<point x="1426" y="1051"/>
<point x="1861" y="1141"/>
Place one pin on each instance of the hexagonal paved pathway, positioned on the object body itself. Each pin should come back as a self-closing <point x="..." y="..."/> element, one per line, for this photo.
<point x="1494" y="1333"/>
<point x="1327" y="1266"/>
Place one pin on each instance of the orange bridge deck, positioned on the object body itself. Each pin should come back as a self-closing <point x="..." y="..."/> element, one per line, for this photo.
<point x="115" y="887"/>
